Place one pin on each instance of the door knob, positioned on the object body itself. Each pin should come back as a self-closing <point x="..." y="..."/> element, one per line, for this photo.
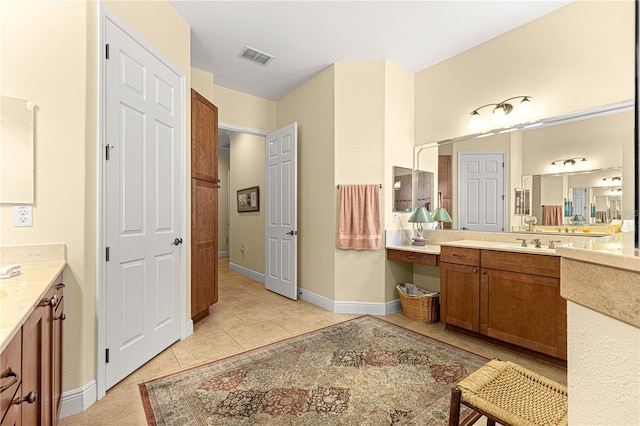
<point x="292" y="233"/>
<point x="177" y="241"/>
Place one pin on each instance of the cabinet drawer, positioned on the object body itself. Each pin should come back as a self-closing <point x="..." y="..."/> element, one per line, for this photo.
<point x="460" y="255"/>
<point x="413" y="257"/>
<point x="10" y="360"/>
<point x="535" y="264"/>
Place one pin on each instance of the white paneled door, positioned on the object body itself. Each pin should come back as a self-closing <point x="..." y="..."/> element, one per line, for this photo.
<point x="143" y="194"/>
<point x="280" y="214"/>
<point x="481" y="198"/>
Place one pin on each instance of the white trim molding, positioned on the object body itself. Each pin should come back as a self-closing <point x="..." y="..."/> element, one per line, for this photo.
<point x="257" y="276"/>
<point x="76" y="401"/>
<point x="339" y="307"/>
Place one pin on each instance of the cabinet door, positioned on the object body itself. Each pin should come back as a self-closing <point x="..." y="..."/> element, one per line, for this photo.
<point x="204" y="138"/>
<point x="13" y="415"/>
<point x="10" y="373"/>
<point x="35" y="372"/>
<point x="459" y="294"/>
<point x="204" y="247"/>
<point x="525" y="310"/>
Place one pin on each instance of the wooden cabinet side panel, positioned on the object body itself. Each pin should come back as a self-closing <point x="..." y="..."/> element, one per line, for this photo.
<point x="204" y="246"/>
<point x="459" y="295"/>
<point x="204" y="138"/>
<point x="444" y="185"/>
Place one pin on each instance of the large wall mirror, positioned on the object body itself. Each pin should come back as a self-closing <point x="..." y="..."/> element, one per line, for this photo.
<point x="573" y="174"/>
<point x="412" y="190"/>
<point x="16" y="151"/>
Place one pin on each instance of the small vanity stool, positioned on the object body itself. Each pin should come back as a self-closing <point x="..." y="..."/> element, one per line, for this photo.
<point x="509" y="394"/>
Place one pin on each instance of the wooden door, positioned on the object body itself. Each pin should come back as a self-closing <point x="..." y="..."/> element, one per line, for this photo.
<point x="444" y="185"/>
<point x="459" y="295"/>
<point x="523" y="309"/>
<point x="36" y="370"/>
<point x="204" y="205"/>
<point x="10" y="375"/>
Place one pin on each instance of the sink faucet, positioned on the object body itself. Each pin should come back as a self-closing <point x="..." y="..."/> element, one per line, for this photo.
<point x="552" y="244"/>
<point x="537" y="242"/>
<point x="524" y="241"/>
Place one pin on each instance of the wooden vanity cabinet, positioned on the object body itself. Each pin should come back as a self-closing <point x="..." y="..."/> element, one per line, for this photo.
<point x="460" y="287"/>
<point x="511" y="297"/>
<point x="37" y="350"/>
<point x="10" y="374"/>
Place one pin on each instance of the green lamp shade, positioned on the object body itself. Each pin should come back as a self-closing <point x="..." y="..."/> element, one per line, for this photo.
<point x="578" y="218"/>
<point x="420" y="215"/>
<point x="440" y="214"/>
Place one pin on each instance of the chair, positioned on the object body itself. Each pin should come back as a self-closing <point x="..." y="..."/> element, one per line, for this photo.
<point x="509" y="394"/>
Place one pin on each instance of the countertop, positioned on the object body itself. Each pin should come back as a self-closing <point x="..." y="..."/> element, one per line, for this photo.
<point x="613" y="251"/>
<point x="20" y="295"/>
<point x="485" y="245"/>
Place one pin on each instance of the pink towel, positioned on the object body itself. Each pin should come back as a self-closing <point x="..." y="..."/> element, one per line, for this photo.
<point x="552" y="215"/>
<point x="359" y="217"/>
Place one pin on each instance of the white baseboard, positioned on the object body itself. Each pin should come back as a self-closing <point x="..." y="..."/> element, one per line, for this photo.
<point x="77" y="400"/>
<point x="223" y="254"/>
<point x="364" y="308"/>
<point x="187" y="329"/>
<point x="247" y="272"/>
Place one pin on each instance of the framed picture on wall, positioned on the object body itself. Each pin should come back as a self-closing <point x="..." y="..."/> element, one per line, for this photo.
<point x="249" y="199"/>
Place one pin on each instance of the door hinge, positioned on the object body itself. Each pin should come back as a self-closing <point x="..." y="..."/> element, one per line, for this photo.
<point x="107" y="356"/>
<point x="503" y="164"/>
<point x="503" y="197"/>
<point x="107" y="51"/>
<point x="107" y="254"/>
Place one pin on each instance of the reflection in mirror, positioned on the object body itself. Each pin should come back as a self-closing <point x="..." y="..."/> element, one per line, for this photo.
<point x="16" y="151"/>
<point x="402" y="189"/>
<point x="424" y="191"/>
<point x="603" y="136"/>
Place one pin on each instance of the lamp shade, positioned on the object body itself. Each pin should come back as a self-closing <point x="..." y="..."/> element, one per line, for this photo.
<point x="441" y="215"/>
<point x="578" y="219"/>
<point x="420" y="215"/>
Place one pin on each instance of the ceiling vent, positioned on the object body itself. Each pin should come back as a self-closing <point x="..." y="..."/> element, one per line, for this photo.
<point x="255" y="56"/>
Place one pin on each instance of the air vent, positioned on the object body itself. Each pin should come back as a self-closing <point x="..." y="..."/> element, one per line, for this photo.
<point x="255" y="56"/>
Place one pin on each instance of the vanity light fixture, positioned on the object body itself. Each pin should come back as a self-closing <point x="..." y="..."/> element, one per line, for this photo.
<point x="420" y="215"/>
<point x="500" y="111"/>
<point x="569" y="163"/>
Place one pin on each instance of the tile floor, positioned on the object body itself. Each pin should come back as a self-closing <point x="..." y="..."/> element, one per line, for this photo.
<point x="248" y="316"/>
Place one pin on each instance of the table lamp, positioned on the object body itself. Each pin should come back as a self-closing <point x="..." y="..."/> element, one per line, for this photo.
<point x="440" y="214"/>
<point x="420" y="215"/>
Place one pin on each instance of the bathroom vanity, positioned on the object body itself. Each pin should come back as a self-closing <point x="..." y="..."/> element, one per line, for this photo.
<point x="31" y="318"/>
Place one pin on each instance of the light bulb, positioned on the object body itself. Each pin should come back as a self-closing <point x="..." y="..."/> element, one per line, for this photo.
<point x="525" y="109"/>
<point x="475" y="122"/>
<point x="584" y="163"/>
<point x="499" y="116"/>
<point x="554" y="167"/>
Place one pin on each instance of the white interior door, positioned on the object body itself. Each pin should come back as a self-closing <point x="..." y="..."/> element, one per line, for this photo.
<point x="143" y="217"/>
<point x="481" y="202"/>
<point x="580" y="202"/>
<point x="281" y="211"/>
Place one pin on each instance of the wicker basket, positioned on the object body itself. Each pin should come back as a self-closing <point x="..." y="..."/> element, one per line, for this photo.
<point x="424" y="308"/>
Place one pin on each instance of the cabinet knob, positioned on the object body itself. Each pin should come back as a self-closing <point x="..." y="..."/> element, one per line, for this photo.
<point x="61" y="317"/>
<point x="59" y="286"/>
<point x="475" y="270"/>
<point x="483" y="272"/>
<point x="30" y="398"/>
<point x="53" y="302"/>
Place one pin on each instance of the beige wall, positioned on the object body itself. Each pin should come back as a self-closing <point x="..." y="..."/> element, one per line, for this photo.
<point x="65" y="158"/>
<point x="312" y="106"/>
<point x="202" y="82"/>
<point x="223" y="204"/>
<point x="63" y="211"/>
<point x="575" y="58"/>
<point x="244" y="110"/>
<point x="247" y="228"/>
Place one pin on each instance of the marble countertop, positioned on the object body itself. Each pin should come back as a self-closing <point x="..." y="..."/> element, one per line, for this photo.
<point x="500" y="246"/>
<point x="616" y="251"/>
<point x="20" y="295"/>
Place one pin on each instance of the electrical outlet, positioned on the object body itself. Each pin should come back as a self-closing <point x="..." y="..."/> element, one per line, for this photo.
<point x="395" y="217"/>
<point x="22" y="216"/>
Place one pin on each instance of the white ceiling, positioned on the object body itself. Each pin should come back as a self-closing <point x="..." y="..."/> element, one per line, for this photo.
<point x="308" y="36"/>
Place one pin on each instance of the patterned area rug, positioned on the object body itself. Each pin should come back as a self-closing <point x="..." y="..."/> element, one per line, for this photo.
<point x="365" y="371"/>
